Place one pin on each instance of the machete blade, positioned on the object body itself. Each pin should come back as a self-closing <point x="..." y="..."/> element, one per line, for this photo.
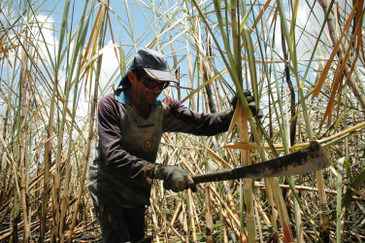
<point x="307" y="160"/>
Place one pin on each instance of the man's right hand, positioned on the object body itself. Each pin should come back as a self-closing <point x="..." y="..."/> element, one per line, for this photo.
<point x="174" y="178"/>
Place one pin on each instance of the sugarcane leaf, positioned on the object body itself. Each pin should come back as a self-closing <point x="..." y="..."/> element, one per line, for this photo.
<point x="324" y="73"/>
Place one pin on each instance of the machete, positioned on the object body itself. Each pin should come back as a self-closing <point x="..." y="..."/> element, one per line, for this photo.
<point x="307" y="160"/>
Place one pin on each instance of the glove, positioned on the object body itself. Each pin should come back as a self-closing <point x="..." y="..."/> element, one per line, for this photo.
<point x="174" y="178"/>
<point x="251" y="103"/>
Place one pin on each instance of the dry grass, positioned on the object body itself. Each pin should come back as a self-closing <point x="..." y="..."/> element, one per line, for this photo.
<point x="307" y="76"/>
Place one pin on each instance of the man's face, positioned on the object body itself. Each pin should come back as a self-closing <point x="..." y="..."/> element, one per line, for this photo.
<point x="149" y="89"/>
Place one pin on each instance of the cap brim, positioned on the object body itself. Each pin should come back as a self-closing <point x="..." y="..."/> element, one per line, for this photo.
<point x="160" y="75"/>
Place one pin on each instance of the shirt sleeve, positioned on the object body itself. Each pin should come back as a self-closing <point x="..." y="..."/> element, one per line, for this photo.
<point x="178" y="118"/>
<point x="112" y="154"/>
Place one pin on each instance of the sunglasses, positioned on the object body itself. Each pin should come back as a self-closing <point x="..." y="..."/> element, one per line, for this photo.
<point x="151" y="83"/>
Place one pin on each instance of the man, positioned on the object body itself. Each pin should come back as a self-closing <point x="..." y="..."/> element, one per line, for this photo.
<point x="130" y="125"/>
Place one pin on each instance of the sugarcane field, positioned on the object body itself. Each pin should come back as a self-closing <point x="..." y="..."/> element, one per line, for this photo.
<point x="153" y="121"/>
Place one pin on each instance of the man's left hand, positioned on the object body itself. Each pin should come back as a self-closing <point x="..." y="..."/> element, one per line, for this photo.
<point x="251" y="104"/>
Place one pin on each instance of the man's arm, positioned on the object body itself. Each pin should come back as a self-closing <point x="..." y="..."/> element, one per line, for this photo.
<point x="178" y="118"/>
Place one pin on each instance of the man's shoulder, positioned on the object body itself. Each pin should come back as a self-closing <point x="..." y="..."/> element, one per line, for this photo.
<point x="107" y="99"/>
<point x="169" y="104"/>
<point x="107" y="103"/>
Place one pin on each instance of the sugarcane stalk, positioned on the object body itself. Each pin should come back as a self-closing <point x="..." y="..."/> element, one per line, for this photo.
<point x="246" y="184"/>
<point x="96" y="42"/>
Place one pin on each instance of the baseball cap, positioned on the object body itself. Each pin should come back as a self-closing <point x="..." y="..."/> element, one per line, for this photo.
<point x="154" y="64"/>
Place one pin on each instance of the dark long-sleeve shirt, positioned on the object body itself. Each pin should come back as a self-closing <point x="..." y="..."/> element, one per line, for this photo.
<point x="128" y="145"/>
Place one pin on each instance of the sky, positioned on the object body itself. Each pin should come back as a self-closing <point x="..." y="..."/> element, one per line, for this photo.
<point x="143" y="23"/>
<point x="140" y="19"/>
<point x="145" y="26"/>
